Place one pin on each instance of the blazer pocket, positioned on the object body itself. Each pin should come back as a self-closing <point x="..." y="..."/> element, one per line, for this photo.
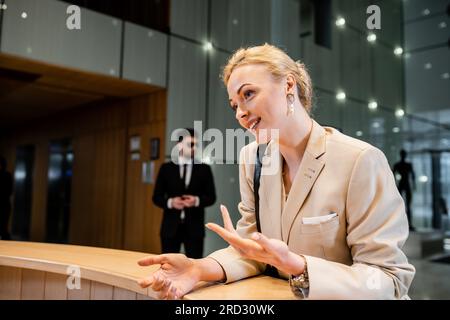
<point x="321" y="224"/>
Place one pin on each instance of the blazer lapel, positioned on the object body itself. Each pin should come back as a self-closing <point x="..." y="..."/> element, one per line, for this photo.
<point x="270" y="191"/>
<point x="309" y="170"/>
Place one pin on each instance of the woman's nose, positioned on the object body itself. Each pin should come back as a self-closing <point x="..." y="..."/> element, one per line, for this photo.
<point x="240" y="113"/>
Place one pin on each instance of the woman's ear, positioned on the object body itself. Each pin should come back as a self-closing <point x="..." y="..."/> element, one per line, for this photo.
<point x="291" y="84"/>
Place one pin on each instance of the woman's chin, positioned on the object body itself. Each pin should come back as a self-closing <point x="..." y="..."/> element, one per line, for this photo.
<point x="262" y="135"/>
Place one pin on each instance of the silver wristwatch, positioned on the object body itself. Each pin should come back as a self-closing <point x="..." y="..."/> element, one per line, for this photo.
<point x="300" y="284"/>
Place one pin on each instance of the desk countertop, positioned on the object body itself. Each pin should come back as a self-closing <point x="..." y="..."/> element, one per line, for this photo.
<point x="119" y="268"/>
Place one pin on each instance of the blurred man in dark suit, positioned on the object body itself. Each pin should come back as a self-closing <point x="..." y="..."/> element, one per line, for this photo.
<point x="183" y="190"/>
<point x="6" y="186"/>
<point x="406" y="172"/>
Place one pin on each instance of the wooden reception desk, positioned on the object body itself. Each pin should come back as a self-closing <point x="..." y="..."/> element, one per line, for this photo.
<point x="30" y="270"/>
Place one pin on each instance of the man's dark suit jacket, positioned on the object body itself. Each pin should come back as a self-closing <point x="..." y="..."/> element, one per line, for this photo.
<point x="169" y="185"/>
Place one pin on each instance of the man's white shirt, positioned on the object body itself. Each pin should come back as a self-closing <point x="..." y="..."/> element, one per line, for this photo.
<point x="187" y="179"/>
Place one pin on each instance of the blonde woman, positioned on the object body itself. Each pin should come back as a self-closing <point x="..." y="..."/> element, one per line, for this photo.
<point x="332" y="221"/>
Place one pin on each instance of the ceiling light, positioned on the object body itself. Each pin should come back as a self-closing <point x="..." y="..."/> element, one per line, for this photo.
<point x="428" y="66"/>
<point x="426" y="12"/>
<point x="372" y="105"/>
<point x="340" y="22"/>
<point x="340" y="95"/>
<point x="399" y="113"/>
<point x="208" y="46"/>
<point x="359" y="133"/>
<point x="445" y="75"/>
<point x="24" y="15"/>
<point x="376" y="125"/>
<point x="372" y="37"/>
<point x="442" y="25"/>
<point x="4" y="6"/>
<point x="398" y="51"/>
<point x="423" y="179"/>
<point x="395" y="129"/>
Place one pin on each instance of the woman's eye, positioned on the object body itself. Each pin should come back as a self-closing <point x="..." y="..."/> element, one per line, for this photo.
<point x="234" y="107"/>
<point x="248" y="94"/>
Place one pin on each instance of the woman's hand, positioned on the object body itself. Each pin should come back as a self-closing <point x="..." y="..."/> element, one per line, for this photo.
<point x="176" y="276"/>
<point x="260" y="248"/>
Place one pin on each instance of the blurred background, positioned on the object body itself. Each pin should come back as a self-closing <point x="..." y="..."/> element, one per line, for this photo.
<point x="86" y="114"/>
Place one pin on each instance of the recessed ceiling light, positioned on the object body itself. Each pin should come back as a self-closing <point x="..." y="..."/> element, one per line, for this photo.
<point x="372" y="105"/>
<point x="426" y="12"/>
<point x="395" y="129"/>
<point x="428" y="66"/>
<point x="399" y="113"/>
<point x="398" y="51"/>
<point x="4" y="6"/>
<point x="372" y="37"/>
<point x="423" y="178"/>
<point x="445" y="75"/>
<point x="340" y="22"/>
<point x="442" y="25"/>
<point x="208" y="46"/>
<point x="340" y="95"/>
<point x="359" y="133"/>
<point x="235" y="22"/>
<point x="24" y="15"/>
<point x="376" y="124"/>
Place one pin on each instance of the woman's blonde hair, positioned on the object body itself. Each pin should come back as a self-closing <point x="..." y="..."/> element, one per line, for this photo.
<point x="278" y="63"/>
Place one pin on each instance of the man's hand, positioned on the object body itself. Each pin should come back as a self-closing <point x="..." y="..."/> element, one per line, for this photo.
<point x="189" y="201"/>
<point x="178" y="203"/>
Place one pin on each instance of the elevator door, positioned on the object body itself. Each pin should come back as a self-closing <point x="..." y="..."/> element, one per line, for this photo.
<point x="59" y="189"/>
<point x="23" y="187"/>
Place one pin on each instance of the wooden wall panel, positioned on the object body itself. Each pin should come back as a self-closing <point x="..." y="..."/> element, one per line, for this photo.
<point x="142" y="297"/>
<point x="33" y="284"/>
<point x="143" y="219"/>
<point x="81" y="217"/>
<point x="39" y="196"/>
<point x="101" y="291"/>
<point x="10" y="278"/>
<point x="55" y="286"/>
<point x="123" y="294"/>
<point x="110" y="206"/>
<point x="108" y="188"/>
<point x="84" y="293"/>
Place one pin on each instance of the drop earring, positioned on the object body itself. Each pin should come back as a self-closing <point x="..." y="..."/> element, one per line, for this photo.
<point x="291" y="99"/>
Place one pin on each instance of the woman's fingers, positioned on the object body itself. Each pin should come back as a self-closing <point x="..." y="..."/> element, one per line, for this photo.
<point x="144" y="283"/>
<point x="245" y="245"/>
<point x="158" y="283"/>
<point x="263" y="241"/>
<point x="172" y="293"/>
<point x="151" y="260"/>
<point x="165" y="289"/>
<point x="227" y="223"/>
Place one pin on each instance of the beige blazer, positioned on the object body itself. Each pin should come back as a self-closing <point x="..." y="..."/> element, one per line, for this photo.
<point x="355" y="255"/>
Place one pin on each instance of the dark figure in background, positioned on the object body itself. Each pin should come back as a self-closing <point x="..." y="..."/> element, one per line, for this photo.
<point x="183" y="190"/>
<point x="405" y="170"/>
<point x="6" y="186"/>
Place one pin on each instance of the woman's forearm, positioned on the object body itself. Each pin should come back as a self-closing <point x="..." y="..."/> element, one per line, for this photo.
<point x="209" y="270"/>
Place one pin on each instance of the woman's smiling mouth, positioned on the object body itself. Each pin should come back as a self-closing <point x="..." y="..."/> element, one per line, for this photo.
<point x="252" y="125"/>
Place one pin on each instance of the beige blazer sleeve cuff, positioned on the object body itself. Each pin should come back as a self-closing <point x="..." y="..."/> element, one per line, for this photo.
<point x="331" y="280"/>
<point x="234" y="266"/>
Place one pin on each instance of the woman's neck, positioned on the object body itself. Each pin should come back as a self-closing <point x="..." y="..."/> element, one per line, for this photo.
<point x="293" y="143"/>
